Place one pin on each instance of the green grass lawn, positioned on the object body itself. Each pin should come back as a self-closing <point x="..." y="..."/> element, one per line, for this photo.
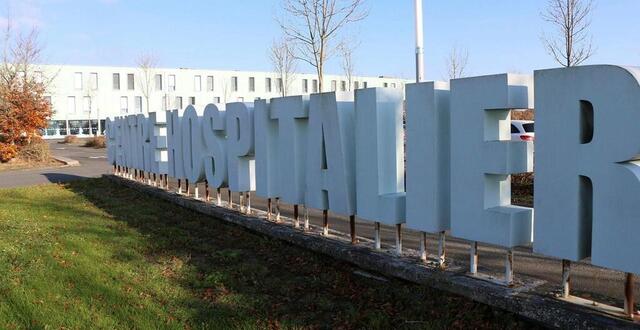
<point x="91" y="254"/>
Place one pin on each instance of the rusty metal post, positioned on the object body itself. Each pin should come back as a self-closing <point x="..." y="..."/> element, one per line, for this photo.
<point x="135" y="174"/>
<point x="399" y="239"/>
<point x="166" y="181"/>
<point x="352" y="227"/>
<point x="248" y="200"/>
<point x="186" y="187"/>
<point x="376" y="237"/>
<point x="269" y="208"/>
<point x="296" y="219"/>
<point x="155" y="180"/>
<point x="629" y="301"/>
<point x="206" y="191"/>
<point x="566" y="278"/>
<point x="423" y="246"/>
<point x="473" y="258"/>
<point x="306" y="218"/>
<point x="508" y="269"/>
<point x="179" y="186"/>
<point x="277" y="209"/>
<point x="230" y="199"/>
<point x="325" y="222"/>
<point x="441" y="250"/>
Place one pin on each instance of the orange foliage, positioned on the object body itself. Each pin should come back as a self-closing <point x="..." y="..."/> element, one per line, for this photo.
<point x="7" y="152"/>
<point x="23" y="112"/>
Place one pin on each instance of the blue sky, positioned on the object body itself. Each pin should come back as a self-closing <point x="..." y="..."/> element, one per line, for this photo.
<point x="499" y="35"/>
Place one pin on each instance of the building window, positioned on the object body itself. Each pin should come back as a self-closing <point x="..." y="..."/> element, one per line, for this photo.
<point x="305" y="86"/>
<point x="86" y="104"/>
<point x="385" y="85"/>
<point x="314" y="85"/>
<point x="210" y="83"/>
<point x="234" y="84"/>
<point x="178" y="102"/>
<point x="252" y="84"/>
<point x="393" y="85"/>
<point x="279" y="85"/>
<point x="71" y="104"/>
<point x="197" y="83"/>
<point x="267" y="85"/>
<point x="130" y="82"/>
<point x="172" y="82"/>
<point x="334" y="86"/>
<point x="343" y="86"/>
<point x="356" y="84"/>
<point x="192" y="100"/>
<point x="216" y="100"/>
<point x="93" y="77"/>
<point x="124" y="104"/>
<point x="158" y="82"/>
<point x="138" y="105"/>
<point x="77" y="80"/>
<point x="116" y="81"/>
<point x="364" y="84"/>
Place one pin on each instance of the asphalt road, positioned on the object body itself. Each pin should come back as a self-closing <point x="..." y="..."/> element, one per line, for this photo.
<point x="92" y="164"/>
<point x="587" y="281"/>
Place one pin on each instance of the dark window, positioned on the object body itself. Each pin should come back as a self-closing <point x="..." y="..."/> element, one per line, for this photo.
<point x="528" y="127"/>
<point x="116" y="81"/>
<point x="130" y="82"/>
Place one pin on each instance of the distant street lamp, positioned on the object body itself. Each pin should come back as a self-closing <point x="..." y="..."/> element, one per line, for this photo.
<point x="419" y="42"/>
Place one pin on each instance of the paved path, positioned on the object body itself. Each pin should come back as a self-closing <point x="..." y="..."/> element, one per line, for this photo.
<point x="92" y="164"/>
<point x="587" y="281"/>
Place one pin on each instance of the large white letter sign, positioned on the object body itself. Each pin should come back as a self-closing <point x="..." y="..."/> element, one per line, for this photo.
<point x="380" y="155"/>
<point x="174" y="144"/>
<point x="587" y="188"/>
<point x="291" y="113"/>
<point x="110" y="131"/>
<point x="240" y="147"/>
<point x="158" y="141"/>
<point x="192" y="145"/>
<point x="331" y="153"/>
<point x="428" y="157"/>
<point x="483" y="157"/>
<point x="214" y="158"/>
<point x="266" y="134"/>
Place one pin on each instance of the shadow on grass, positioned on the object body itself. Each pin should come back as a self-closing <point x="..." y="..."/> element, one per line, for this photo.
<point x="240" y="279"/>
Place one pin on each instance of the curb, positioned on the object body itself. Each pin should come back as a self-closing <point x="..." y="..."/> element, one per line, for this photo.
<point x="520" y="300"/>
<point x="67" y="161"/>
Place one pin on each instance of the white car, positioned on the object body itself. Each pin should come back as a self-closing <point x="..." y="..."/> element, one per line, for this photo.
<point x="522" y="130"/>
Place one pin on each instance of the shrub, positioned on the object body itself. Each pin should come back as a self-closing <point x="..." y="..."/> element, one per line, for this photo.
<point x="36" y="151"/>
<point x="70" y="139"/>
<point x="97" y="142"/>
<point x="7" y="152"/>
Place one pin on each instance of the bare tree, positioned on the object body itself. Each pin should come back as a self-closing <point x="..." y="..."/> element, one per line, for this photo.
<point x="314" y="26"/>
<point x="284" y="63"/>
<point x="572" y="19"/>
<point x="147" y="64"/>
<point x="346" y="54"/>
<point x="457" y="63"/>
<point x="24" y="109"/>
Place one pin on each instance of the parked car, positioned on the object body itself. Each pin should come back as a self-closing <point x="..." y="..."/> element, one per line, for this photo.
<point x="522" y="130"/>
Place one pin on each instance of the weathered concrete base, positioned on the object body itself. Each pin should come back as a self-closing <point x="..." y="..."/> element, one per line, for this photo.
<point x="519" y="299"/>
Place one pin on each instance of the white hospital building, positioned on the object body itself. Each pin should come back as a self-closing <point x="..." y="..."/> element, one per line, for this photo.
<point x="83" y="96"/>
